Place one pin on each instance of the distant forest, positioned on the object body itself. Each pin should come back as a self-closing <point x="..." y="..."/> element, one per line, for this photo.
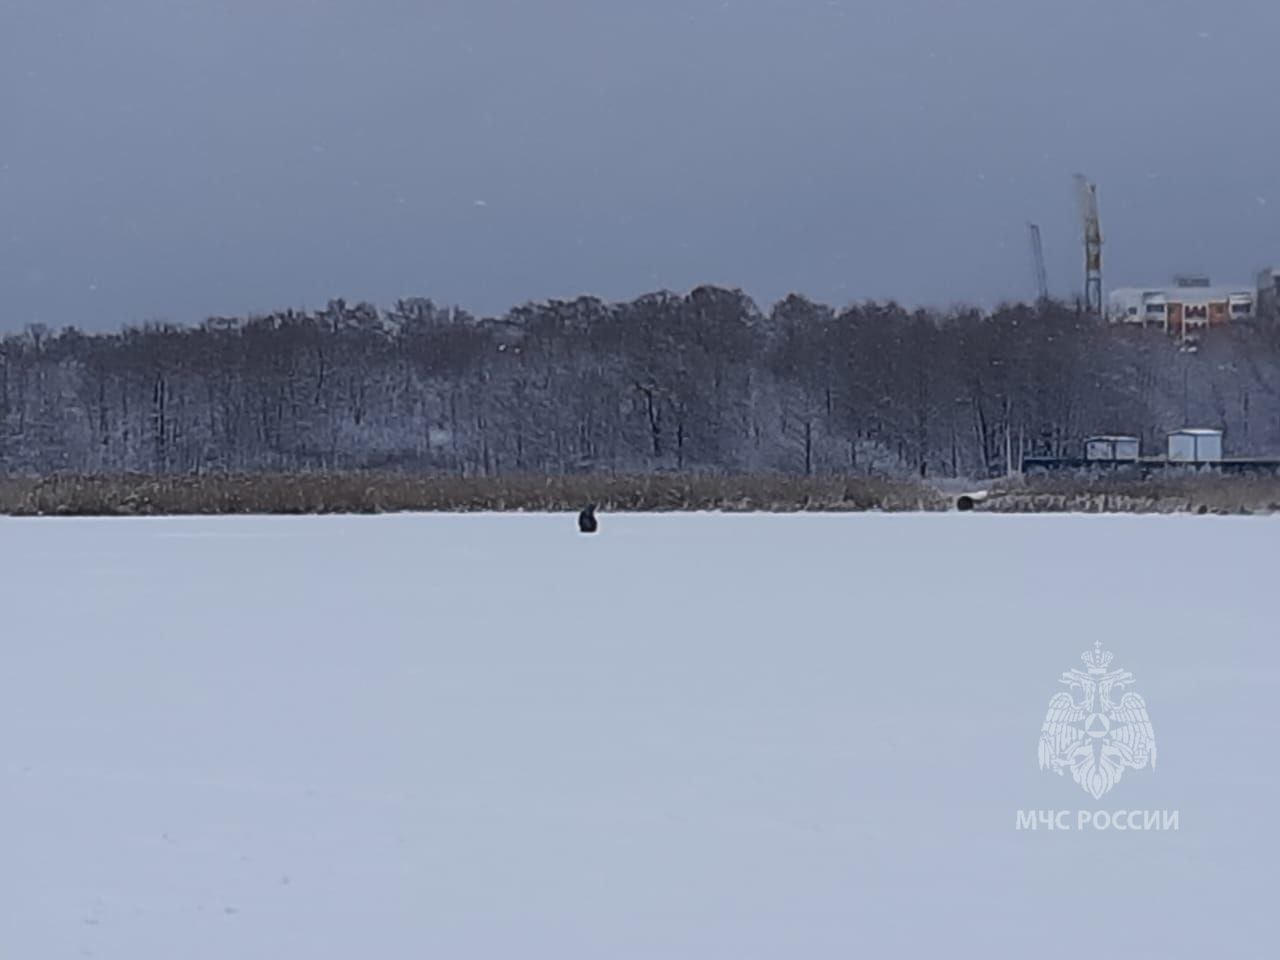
<point x="700" y="383"/>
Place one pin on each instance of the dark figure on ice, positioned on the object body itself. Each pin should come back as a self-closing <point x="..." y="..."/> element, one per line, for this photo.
<point x="587" y="519"/>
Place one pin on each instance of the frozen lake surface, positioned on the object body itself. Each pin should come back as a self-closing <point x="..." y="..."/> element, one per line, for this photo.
<point x="689" y="737"/>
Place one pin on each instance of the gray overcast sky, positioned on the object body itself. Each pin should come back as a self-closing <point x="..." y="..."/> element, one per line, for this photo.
<point x="172" y="159"/>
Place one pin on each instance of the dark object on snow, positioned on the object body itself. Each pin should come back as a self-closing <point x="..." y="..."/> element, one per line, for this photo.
<point x="587" y="522"/>
<point x="970" y="501"/>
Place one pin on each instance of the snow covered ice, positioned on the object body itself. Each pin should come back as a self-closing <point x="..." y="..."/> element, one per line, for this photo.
<point x="689" y="737"/>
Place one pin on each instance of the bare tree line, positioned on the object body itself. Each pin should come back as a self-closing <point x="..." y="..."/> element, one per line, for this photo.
<point x="701" y="383"/>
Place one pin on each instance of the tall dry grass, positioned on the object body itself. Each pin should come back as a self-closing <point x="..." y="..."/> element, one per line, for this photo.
<point x="319" y="493"/>
<point x="1198" y="493"/>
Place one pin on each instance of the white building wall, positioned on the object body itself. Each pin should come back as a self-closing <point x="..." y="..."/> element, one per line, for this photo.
<point x="1195" y="446"/>
<point x="1194" y="306"/>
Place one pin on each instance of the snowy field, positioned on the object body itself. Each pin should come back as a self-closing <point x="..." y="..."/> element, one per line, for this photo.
<point x="689" y="737"/>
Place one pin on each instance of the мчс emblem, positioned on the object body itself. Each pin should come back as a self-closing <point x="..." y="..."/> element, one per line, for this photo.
<point x="1093" y="730"/>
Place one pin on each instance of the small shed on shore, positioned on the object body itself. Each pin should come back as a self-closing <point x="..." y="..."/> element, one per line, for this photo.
<point x="1195" y="445"/>
<point x="1125" y="449"/>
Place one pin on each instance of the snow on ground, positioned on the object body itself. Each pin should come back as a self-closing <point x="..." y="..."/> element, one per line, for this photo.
<point x="689" y="737"/>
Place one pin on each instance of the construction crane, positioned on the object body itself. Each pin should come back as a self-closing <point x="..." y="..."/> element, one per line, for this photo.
<point x="1087" y="196"/>
<point x="1037" y="260"/>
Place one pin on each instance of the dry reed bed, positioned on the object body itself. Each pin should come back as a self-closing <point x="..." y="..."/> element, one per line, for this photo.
<point x="320" y="493"/>
<point x="1203" y="493"/>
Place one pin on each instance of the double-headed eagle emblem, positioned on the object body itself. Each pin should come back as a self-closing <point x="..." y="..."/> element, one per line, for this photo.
<point x="1095" y="730"/>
